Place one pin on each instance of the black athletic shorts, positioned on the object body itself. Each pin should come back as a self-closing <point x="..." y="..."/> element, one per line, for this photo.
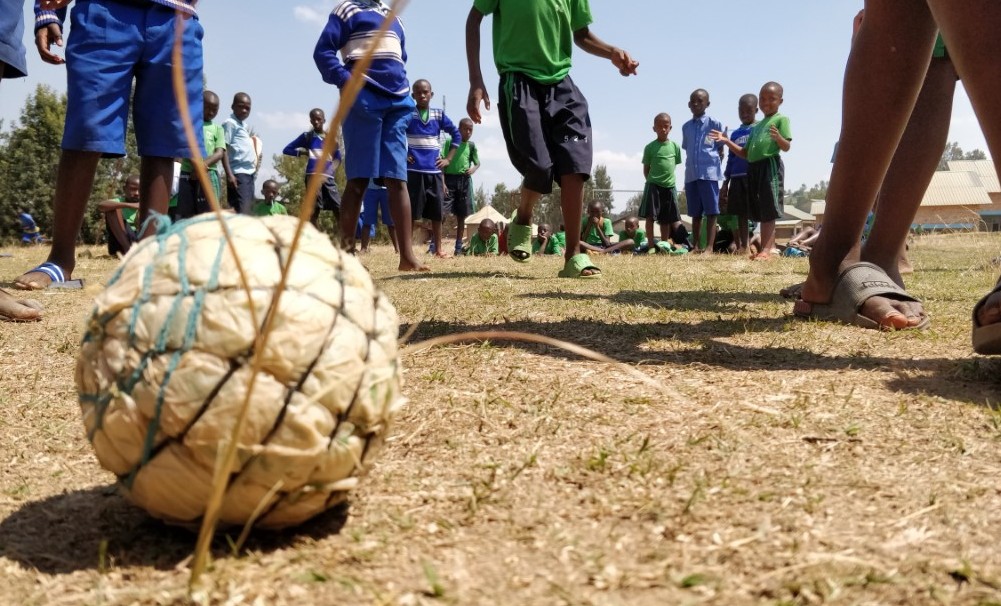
<point x="738" y="197"/>
<point x="547" y="129"/>
<point x="426" y="195"/>
<point x="766" y="180"/>
<point x="660" y="204"/>
<point x="457" y="200"/>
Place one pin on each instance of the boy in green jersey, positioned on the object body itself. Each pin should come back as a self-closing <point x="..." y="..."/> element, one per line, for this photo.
<point x="660" y="195"/>
<point x="543" y="115"/>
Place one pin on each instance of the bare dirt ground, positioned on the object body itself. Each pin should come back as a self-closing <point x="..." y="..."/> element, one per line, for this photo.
<point x="777" y="462"/>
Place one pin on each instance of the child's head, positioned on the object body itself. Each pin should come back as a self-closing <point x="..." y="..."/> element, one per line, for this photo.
<point x="210" y="105"/>
<point x="632" y="224"/>
<point x="270" y="190"/>
<point x="747" y="108"/>
<point x="486" y="229"/>
<point x="662" y="126"/>
<point x="317" y="119"/>
<point x="132" y="188"/>
<point x="698" y="102"/>
<point x="770" y="98"/>
<point x="466" y="129"/>
<point x="544" y="230"/>
<point x="422" y="93"/>
<point x="594" y="209"/>
<point x="241" y="106"/>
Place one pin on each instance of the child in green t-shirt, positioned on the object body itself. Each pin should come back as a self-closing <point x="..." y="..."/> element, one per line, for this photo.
<point x="548" y="243"/>
<point x="269" y="205"/>
<point x="596" y="232"/>
<point x="660" y="197"/>
<point x="632" y="238"/>
<point x="533" y="43"/>
<point x="765" y="171"/>
<point x="121" y="217"/>
<point x="484" y="241"/>
<point x="191" y="199"/>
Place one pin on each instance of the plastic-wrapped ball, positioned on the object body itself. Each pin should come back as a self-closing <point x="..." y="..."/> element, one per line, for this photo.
<point x="165" y="368"/>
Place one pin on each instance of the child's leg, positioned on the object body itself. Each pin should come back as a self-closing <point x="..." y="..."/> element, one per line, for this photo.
<point x="665" y="232"/>
<point x="399" y="208"/>
<point x="460" y="227"/>
<point x="971" y="29"/>
<point x="572" y="205"/>
<point x="697" y="232"/>
<point x="350" y="209"/>
<point x="767" y="240"/>
<point x="155" y="179"/>
<point x="743" y="233"/>
<point x="710" y="233"/>
<point x="649" y="231"/>
<point x="436" y="238"/>
<point x="74" y="181"/>
<point x="881" y="88"/>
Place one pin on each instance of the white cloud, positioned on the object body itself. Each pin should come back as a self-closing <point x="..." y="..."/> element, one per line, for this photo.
<point x="317" y="14"/>
<point x="295" y="122"/>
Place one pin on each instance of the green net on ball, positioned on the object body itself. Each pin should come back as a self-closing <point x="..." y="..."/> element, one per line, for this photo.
<point x="165" y="367"/>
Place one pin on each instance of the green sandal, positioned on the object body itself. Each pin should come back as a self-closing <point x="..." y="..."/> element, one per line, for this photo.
<point x="575" y="266"/>
<point x="519" y="242"/>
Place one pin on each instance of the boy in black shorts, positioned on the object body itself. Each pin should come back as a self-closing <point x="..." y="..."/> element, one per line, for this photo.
<point x="734" y="196"/>
<point x="660" y="198"/>
<point x="536" y="90"/>
<point x="458" y="179"/>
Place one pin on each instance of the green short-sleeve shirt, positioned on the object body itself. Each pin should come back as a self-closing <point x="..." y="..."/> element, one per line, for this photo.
<point x="215" y="139"/>
<point x="535" y="37"/>
<point x="263" y="208"/>
<point x="759" y="142"/>
<point x="477" y="246"/>
<point x="554" y="245"/>
<point x="638" y="238"/>
<point x="662" y="158"/>
<point x="591" y="235"/>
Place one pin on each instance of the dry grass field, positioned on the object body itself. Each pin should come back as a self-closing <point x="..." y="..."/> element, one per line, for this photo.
<point x="770" y="460"/>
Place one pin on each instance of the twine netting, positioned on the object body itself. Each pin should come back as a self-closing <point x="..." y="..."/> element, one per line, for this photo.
<point x="165" y="366"/>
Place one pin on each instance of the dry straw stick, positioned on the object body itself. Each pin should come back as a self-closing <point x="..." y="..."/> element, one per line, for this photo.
<point x="348" y="95"/>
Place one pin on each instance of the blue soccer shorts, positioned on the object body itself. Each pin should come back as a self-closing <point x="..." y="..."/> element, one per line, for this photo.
<point x="375" y="136"/>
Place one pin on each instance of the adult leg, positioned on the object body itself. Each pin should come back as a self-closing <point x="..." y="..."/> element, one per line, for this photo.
<point x="882" y="81"/>
<point x="399" y="208"/>
<point x="74" y="181"/>
<point x="971" y="29"/>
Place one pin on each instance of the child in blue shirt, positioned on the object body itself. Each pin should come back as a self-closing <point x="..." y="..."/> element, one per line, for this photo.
<point x="375" y="205"/>
<point x="310" y="145"/>
<point x="735" y="195"/>
<point x="425" y="182"/>
<point x="702" y="167"/>
<point x="375" y="130"/>
<point x="118" y="53"/>
<point x="243" y="158"/>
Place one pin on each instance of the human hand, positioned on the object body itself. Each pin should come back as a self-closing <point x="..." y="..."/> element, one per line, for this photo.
<point x="472" y="169"/>
<point x="718" y="135"/>
<point x="773" y="132"/>
<point x="53" y="5"/>
<point x="45" y="37"/>
<point x="477" y="93"/>
<point x="442" y="162"/>
<point x="625" y="63"/>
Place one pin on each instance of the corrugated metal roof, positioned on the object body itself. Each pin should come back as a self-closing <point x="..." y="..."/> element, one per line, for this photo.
<point x="791" y="212"/>
<point x="983" y="168"/>
<point x="956" y="188"/>
<point x="818" y="207"/>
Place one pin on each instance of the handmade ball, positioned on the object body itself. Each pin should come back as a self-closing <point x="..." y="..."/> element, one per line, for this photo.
<point x="166" y="366"/>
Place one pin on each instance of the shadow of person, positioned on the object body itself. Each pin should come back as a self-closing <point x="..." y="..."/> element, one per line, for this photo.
<point x="64" y="533"/>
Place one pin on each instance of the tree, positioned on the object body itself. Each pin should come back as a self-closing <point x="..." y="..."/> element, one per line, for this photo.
<point x="29" y="154"/>
<point x="633" y="204"/>
<point x="954" y="152"/>
<point x="599" y="188"/>
<point x="504" y="200"/>
<point x="480" y="198"/>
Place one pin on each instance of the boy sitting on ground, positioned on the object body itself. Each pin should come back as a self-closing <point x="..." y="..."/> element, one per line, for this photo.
<point x="548" y="243"/>
<point x="121" y="216"/>
<point x="632" y="238"/>
<point x="596" y="231"/>
<point x="484" y="241"/>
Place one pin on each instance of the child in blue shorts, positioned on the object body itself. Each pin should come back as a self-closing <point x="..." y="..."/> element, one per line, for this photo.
<point x="376" y="204"/>
<point x="703" y="158"/>
<point x="375" y="130"/>
<point x="132" y="47"/>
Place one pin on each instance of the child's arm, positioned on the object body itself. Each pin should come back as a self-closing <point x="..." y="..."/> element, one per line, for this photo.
<point x="493" y="246"/>
<point x="48" y="29"/>
<point x="230" y="177"/>
<point x="298" y="147"/>
<point x="456" y="137"/>
<point x="646" y="172"/>
<point x="477" y="90"/>
<point x="717" y="135"/>
<point x="325" y="54"/>
<point x="783" y="143"/>
<point x="474" y="159"/>
<point x="215" y="156"/>
<point x="590" y="43"/>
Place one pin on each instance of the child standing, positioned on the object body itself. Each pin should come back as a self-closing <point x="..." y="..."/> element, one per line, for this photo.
<point x="243" y="158"/>
<point x="269" y="205"/>
<point x="425" y="161"/>
<point x="766" y="173"/>
<point x="310" y="145"/>
<point x="191" y="200"/>
<point x="533" y="42"/>
<point x="375" y="205"/>
<point x="660" y="196"/>
<point x="375" y="130"/>
<point x="132" y="46"/>
<point x="459" y="179"/>
<point x="702" y="168"/>
<point x="734" y="196"/>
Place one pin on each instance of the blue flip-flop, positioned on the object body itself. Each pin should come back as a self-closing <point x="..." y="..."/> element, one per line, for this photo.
<point x="57" y="278"/>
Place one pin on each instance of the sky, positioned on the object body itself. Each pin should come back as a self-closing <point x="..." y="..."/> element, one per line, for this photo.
<point x="728" y="47"/>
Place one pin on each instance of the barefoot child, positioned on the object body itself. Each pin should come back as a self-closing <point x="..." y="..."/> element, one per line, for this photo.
<point x="766" y="173"/>
<point x="734" y="196"/>
<point x="660" y="197"/>
<point x="533" y="42"/>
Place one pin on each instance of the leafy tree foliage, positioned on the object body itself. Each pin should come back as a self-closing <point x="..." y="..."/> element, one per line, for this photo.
<point x="954" y="152"/>
<point x="633" y="204"/>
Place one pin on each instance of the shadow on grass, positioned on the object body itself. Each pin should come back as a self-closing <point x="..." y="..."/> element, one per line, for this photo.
<point x="973" y="380"/>
<point x="684" y="300"/>
<point x="454" y="275"/>
<point x="63" y="533"/>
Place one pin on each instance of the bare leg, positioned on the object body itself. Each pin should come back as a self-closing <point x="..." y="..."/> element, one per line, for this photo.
<point x="767" y="240"/>
<point x="697" y="232"/>
<point x="436" y="238"/>
<point x="366" y="230"/>
<point x="743" y="234"/>
<point x="155" y="177"/>
<point x="399" y="208"/>
<point x="710" y="233"/>
<point x="649" y="233"/>
<point x="882" y="81"/>
<point x="976" y="54"/>
<point x="572" y="204"/>
<point x="392" y="238"/>
<point x="74" y="181"/>
<point x="665" y="232"/>
<point x="350" y="210"/>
